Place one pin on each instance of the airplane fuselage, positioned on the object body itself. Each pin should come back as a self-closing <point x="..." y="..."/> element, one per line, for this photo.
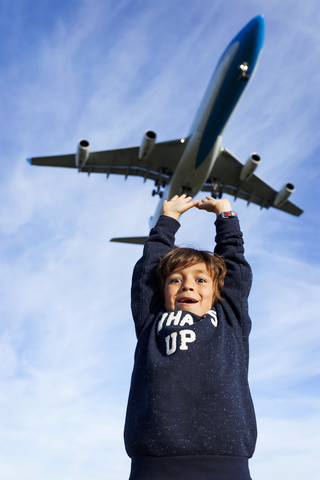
<point x="203" y="145"/>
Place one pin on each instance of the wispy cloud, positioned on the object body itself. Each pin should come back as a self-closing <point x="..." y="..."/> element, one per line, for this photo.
<point x="109" y="71"/>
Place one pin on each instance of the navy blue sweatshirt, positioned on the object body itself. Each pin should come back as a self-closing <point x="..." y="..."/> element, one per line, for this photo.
<point x="190" y="413"/>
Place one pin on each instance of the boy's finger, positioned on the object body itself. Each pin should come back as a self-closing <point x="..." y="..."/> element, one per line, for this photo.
<point x="201" y="206"/>
<point x="195" y="203"/>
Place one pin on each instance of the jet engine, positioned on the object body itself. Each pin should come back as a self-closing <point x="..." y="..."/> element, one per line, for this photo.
<point x="283" y="194"/>
<point x="83" y="152"/>
<point x="147" y="144"/>
<point x="249" y="167"/>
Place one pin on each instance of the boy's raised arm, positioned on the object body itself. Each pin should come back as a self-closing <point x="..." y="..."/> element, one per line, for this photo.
<point x="146" y="299"/>
<point x="229" y="245"/>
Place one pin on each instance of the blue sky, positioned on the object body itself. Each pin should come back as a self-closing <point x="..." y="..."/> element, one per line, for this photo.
<point x="107" y="71"/>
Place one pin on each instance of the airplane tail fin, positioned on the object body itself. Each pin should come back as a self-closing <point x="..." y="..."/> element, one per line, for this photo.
<point x="133" y="240"/>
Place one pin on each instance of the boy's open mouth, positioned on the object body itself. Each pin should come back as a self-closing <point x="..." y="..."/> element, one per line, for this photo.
<point x="187" y="300"/>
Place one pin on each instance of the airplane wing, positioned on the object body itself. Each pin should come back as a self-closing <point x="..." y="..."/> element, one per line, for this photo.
<point x="157" y="166"/>
<point x="225" y="178"/>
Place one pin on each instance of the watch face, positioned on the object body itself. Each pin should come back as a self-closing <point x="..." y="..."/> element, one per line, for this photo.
<point x="228" y="214"/>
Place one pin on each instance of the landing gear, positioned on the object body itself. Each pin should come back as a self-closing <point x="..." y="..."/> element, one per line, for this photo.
<point x="158" y="190"/>
<point x="216" y="194"/>
<point x="186" y="190"/>
<point x="217" y="188"/>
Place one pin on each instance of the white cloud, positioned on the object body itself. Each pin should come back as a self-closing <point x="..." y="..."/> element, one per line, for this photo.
<point x="285" y="447"/>
<point x="66" y="336"/>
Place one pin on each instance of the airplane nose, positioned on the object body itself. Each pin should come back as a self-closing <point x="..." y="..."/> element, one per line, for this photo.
<point x="259" y="27"/>
<point x="252" y="35"/>
<point x="255" y="31"/>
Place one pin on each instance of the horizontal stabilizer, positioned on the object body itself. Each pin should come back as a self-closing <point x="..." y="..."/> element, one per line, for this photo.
<point x="134" y="240"/>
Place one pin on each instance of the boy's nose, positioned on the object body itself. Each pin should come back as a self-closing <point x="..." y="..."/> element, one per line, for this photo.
<point x="186" y="287"/>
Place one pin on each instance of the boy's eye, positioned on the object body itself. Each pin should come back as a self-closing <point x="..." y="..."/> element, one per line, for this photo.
<point x="175" y="280"/>
<point x="201" y="280"/>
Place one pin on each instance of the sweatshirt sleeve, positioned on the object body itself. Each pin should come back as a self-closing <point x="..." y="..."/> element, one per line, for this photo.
<point x="146" y="299"/>
<point x="238" y="280"/>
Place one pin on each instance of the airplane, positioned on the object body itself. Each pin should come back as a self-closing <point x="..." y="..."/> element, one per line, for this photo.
<point x="197" y="162"/>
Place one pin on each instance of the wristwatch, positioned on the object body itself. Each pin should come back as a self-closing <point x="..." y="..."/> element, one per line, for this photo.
<point x="229" y="214"/>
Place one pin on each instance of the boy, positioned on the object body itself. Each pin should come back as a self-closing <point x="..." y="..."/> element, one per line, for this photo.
<point x="190" y="415"/>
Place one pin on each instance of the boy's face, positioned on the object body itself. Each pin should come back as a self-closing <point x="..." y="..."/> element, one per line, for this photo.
<point x="189" y="289"/>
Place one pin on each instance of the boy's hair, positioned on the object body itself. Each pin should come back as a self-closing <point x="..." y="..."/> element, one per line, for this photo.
<point x="186" y="257"/>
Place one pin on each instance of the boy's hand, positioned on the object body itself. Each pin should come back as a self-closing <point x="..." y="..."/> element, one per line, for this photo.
<point x="211" y="204"/>
<point x="178" y="205"/>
